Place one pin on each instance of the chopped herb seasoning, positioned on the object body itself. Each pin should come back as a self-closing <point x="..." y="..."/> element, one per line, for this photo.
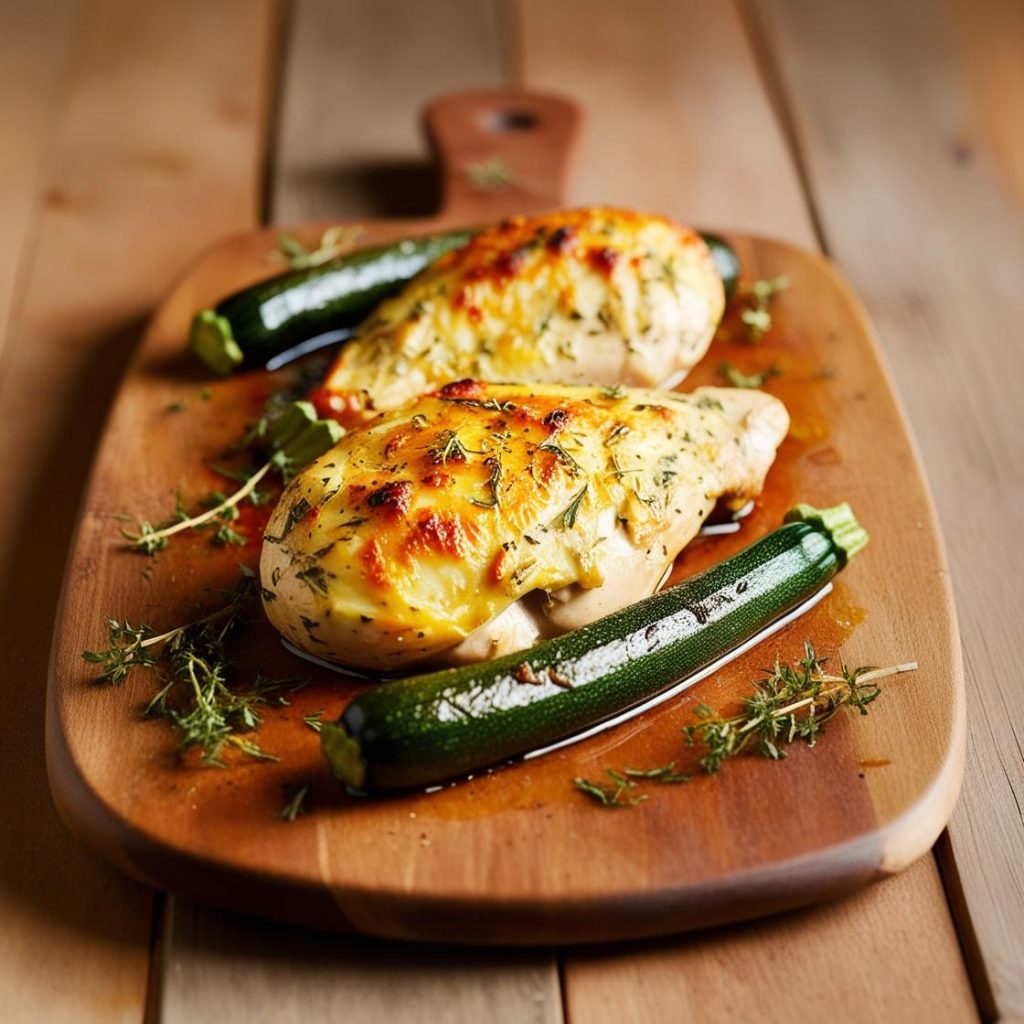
<point x="568" y="517"/>
<point x="493" y="483"/>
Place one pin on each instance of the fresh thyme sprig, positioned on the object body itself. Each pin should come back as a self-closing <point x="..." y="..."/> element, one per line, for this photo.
<point x="757" y="316"/>
<point x="335" y="241"/>
<point x="296" y="805"/>
<point x="793" y="702"/>
<point x="129" y="646"/>
<point x="197" y="700"/>
<point x="294" y="437"/>
<point x="152" y="539"/>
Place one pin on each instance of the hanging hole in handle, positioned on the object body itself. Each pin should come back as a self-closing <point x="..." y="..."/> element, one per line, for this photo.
<point x="511" y="121"/>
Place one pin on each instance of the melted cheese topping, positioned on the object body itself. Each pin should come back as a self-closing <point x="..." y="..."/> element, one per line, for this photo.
<point x="593" y="296"/>
<point x="429" y="522"/>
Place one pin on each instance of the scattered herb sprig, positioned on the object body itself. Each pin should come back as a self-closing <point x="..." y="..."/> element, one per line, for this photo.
<point x="793" y="702"/>
<point x="757" y="315"/>
<point x="294" y="438"/>
<point x="296" y="805"/>
<point x="196" y="698"/>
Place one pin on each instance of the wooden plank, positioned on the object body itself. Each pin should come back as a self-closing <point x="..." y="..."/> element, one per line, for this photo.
<point x="35" y="47"/>
<point x="915" y="162"/>
<point x="676" y="119"/>
<point x="230" y="968"/>
<point x="356" y="159"/>
<point x="685" y="127"/>
<point x="866" y="959"/>
<point x="357" y="76"/>
<point x="157" y="119"/>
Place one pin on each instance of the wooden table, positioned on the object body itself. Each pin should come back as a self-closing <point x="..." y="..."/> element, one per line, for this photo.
<point x="887" y="134"/>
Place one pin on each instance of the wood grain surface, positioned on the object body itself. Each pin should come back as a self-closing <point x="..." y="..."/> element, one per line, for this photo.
<point x="929" y="131"/>
<point x="74" y="935"/>
<point x="769" y="971"/>
<point x="55" y="962"/>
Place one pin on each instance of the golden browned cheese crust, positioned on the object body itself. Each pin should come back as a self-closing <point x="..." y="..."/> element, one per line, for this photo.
<point x="419" y="528"/>
<point x="595" y="296"/>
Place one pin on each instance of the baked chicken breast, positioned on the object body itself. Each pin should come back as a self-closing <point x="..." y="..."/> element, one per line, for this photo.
<point x="483" y="516"/>
<point x="596" y="296"/>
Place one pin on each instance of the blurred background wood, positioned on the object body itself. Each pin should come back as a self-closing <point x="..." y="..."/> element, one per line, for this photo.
<point x="137" y="135"/>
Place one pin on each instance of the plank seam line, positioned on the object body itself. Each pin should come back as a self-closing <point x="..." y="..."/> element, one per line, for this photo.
<point x="778" y="99"/>
<point x="157" y="968"/>
<point x="963" y="928"/>
<point x="282" y="22"/>
<point x="563" y="989"/>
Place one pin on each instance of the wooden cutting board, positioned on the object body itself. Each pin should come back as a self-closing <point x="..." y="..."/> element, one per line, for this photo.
<point x="518" y="855"/>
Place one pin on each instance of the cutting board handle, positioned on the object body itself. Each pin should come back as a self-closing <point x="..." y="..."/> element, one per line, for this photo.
<point x="501" y="152"/>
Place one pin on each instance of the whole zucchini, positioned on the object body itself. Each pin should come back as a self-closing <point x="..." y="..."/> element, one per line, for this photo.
<point x="262" y="321"/>
<point x="251" y="326"/>
<point x="425" y="729"/>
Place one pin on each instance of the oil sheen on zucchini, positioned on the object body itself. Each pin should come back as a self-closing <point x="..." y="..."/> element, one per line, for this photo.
<point x="257" y="323"/>
<point x="425" y="729"/>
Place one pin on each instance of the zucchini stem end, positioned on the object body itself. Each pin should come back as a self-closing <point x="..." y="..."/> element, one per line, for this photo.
<point x="344" y="755"/>
<point x="212" y="341"/>
<point x="839" y="522"/>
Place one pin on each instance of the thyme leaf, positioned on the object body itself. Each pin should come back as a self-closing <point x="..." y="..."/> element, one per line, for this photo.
<point x="757" y="316"/>
<point x="562" y="455"/>
<point x="493" y="483"/>
<point x="448" y="446"/>
<point x="296" y="805"/>
<point x="568" y="516"/>
<point x="738" y="379"/>
<point x="614" y="795"/>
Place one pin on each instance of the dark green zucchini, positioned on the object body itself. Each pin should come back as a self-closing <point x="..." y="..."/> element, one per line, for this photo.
<point x="256" y="324"/>
<point x="251" y="326"/>
<point x="425" y="729"/>
<point x="727" y="263"/>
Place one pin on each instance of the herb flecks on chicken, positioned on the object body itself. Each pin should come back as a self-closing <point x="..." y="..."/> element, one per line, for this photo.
<point x="586" y="296"/>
